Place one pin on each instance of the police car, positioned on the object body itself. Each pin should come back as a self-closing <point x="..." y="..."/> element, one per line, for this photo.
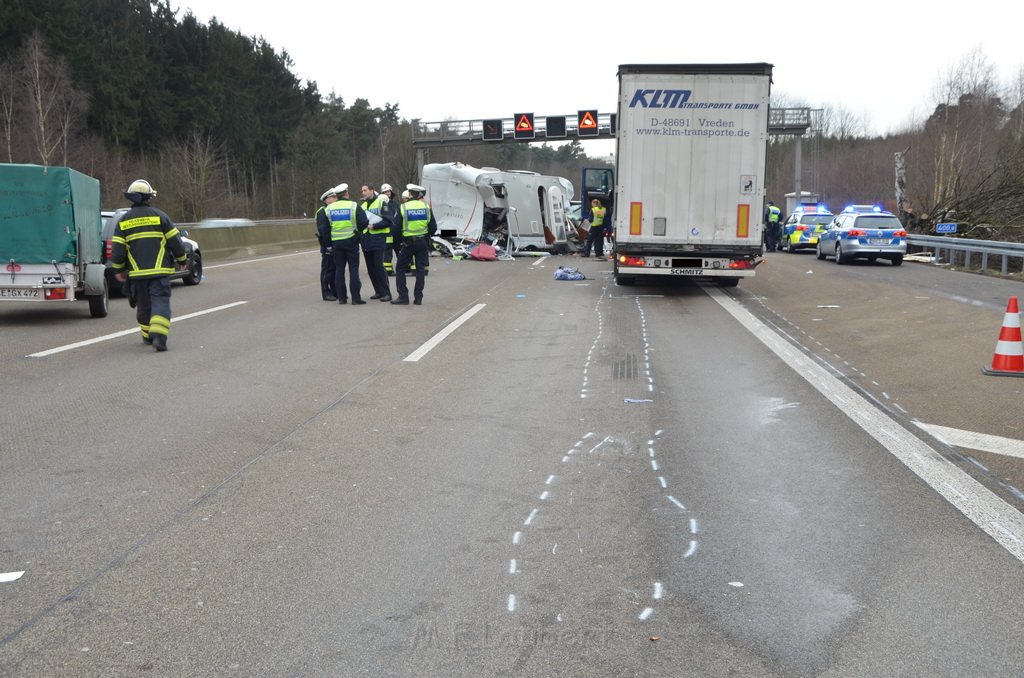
<point x="804" y="226"/>
<point x="855" y="234"/>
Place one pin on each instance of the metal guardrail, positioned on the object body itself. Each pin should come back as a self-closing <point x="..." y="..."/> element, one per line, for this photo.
<point x="964" y="249"/>
<point x="233" y="238"/>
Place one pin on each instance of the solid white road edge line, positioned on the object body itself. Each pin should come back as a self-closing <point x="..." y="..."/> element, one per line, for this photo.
<point x="257" y="260"/>
<point x="10" y="576"/>
<point x="125" y="333"/>
<point x="440" y="336"/>
<point x="981" y="506"/>
<point x="976" y="441"/>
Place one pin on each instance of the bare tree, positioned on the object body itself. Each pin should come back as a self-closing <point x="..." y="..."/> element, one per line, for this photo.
<point x="8" y="85"/>
<point x="840" y="123"/>
<point x="968" y="110"/>
<point x="54" y="105"/>
<point x="193" y="164"/>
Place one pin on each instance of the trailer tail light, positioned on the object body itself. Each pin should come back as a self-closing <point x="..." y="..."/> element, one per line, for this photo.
<point x="56" y="293"/>
<point x="627" y="260"/>
<point x="741" y="264"/>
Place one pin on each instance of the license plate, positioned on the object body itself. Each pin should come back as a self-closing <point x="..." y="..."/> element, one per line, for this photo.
<point x="878" y="241"/>
<point x="18" y="293"/>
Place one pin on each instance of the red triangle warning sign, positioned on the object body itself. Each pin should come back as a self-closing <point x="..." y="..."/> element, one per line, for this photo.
<point x="588" y="121"/>
<point x="525" y="124"/>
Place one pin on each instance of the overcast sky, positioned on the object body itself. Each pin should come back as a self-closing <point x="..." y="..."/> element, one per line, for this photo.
<point x="468" y="60"/>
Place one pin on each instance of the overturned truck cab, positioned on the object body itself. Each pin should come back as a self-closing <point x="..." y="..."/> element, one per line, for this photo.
<point x="521" y="210"/>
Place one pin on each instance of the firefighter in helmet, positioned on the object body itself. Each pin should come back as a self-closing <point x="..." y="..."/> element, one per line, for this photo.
<point x="146" y="248"/>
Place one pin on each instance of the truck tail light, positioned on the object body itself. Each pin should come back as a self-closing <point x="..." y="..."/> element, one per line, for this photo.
<point x="741" y="264"/>
<point x="626" y="260"/>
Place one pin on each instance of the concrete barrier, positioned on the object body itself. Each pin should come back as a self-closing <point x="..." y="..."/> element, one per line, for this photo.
<point x="262" y="237"/>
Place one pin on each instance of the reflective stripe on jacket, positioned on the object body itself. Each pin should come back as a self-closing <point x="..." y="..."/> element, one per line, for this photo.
<point x="147" y="243"/>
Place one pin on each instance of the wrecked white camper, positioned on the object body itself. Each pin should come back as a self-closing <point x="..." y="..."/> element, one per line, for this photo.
<point x="521" y="210"/>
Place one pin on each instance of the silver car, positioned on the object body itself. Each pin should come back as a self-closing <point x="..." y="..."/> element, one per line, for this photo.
<point x="864" y="235"/>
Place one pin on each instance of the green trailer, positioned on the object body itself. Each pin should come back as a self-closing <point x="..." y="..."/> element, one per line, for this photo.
<point x="51" y="246"/>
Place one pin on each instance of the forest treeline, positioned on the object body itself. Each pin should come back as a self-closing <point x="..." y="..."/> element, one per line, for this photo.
<point x="216" y="120"/>
<point x="219" y="123"/>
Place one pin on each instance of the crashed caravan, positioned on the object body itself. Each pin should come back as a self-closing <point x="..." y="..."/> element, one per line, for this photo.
<point x="522" y="210"/>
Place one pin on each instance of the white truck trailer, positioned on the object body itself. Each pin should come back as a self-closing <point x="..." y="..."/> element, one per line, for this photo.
<point x="691" y="142"/>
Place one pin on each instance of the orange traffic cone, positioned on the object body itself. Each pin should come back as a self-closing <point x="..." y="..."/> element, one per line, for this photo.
<point x="1008" y="360"/>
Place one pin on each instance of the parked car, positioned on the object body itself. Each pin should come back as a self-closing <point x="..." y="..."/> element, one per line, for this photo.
<point x="804" y="226"/>
<point x="864" y="235"/>
<point x="192" y="273"/>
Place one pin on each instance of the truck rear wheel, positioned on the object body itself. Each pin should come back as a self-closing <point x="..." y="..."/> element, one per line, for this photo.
<point x="99" y="303"/>
<point x="625" y="280"/>
<point x="728" y="282"/>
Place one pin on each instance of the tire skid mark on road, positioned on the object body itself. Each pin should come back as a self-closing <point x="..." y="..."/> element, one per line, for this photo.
<point x="580" y="450"/>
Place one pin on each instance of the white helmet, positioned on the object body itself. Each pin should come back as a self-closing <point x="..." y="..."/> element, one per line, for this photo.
<point x="339" y="189"/>
<point x="406" y="195"/>
<point x="142" y="187"/>
<point x="384" y="188"/>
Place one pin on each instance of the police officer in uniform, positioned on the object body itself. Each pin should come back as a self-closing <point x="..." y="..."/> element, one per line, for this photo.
<point x="346" y="220"/>
<point x="374" y="241"/>
<point x="595" y="238"/>
<point x="326" y="252"/>
<point x="418" y="226"/>
<point x="144" y="243"/>
<point x="773" y="226"/>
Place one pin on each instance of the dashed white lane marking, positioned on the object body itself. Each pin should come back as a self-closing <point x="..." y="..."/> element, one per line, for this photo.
<point x="512" y="602"/>
<point x="443" y="334"/>
<point x="125" y="333"/>
<point x="979" y="504"/>
<point x="10" y="576"/>
<point x="646" y="613"/>
<point x="976" y="441"/>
